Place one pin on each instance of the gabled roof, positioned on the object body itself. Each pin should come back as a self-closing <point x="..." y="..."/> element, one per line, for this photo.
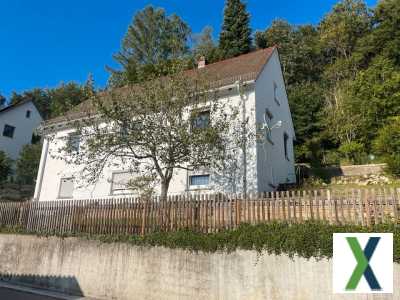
<point x="14" y="105"/>
<point x="245" y="67"/>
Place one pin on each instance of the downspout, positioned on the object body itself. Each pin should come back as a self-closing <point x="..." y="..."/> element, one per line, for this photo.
<point x="42" y="166"/>
<point x="244" y="138"/>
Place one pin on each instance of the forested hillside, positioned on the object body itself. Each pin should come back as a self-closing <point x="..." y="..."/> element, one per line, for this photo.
<point x="342" y="74"/>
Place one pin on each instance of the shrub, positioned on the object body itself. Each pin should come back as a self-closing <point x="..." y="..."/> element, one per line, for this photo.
<point x="28" y="163"/>
<point x="352" y="152"/>
<point x="5" y="166"/>
<point x="308" y="239"/>
<point x="387" y="145"/>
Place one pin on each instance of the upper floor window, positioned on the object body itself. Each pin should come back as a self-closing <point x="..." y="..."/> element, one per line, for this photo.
<point x="74" y="142"/>
<point x="285" y="144"/>
<point x="28" y="114"/>
<point x="8" y="131"/>
<point x="201" y="120"/>
<point x="276" y="94"/>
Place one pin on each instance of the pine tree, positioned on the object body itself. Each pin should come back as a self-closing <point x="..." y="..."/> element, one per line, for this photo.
<point x="153" y="39"/>
<point x="89" y="88"/>
<point x="235" y="37"/>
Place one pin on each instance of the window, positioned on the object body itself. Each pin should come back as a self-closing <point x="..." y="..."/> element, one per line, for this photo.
<point x="66" y="188"/>
<point x="268" y="120"/>
<point x="120" y="183"/>
<point x="74" y="141"/>
<point x="8" y="131"/>
<point x="199" y="180"/>
<point x="28" y="114"/>
<point x="285" y="144"/>
<point x="276" y="94"/>
<point x="201" y="120"/>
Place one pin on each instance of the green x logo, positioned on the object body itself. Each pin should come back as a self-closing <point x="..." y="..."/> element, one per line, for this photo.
<point x="363" y="267"/>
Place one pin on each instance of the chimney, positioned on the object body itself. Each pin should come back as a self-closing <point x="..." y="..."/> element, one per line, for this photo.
<point x="201" y="63"/>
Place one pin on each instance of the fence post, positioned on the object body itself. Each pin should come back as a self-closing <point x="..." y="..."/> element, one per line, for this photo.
<point x="368" y="208"/>
<point x="143" y="230"/>
<point x="396" y="194"/>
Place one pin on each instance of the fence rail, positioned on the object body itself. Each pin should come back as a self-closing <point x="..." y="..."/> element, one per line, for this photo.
<point x="203" y="213"/>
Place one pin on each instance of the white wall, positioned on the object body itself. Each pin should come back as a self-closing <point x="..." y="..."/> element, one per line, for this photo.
<point x="266" y="163"/>
<point x="272" y="166"/>
<point x="125" y="272"/>
<point x="54" y="169"/>
<point x="24" y="128"/>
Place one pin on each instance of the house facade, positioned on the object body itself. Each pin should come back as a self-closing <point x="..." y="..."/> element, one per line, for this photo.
<point x="262" y="166"/>
<point x="17" y="125"/>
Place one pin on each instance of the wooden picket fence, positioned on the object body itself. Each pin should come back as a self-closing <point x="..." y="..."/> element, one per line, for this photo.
<point x="203" y="213"/>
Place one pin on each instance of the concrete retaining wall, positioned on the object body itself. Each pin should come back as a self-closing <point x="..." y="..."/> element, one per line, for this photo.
<point x="121" y="271"/>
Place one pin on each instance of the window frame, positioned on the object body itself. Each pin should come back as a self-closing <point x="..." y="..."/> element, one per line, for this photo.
<point x="28" y="114"/>
<point x="60" y="185"/>
<point x="70" y="138"/>
<point x="112" y="190"/>
<point x="194" y="186"/>
<point x="12" y="128"/>
<point x="196" y="114"/>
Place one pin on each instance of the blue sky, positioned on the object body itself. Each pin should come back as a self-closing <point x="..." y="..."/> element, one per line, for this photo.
<point x="45" y="42"/>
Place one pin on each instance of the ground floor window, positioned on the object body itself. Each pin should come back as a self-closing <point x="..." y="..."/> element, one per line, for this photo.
<point x="196" y="180"/>
<point x="120" y="183"/>
<point x="66" y="188"/>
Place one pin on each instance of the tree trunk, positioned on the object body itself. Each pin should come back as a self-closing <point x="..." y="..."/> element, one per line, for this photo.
<point x="164" y="189"/>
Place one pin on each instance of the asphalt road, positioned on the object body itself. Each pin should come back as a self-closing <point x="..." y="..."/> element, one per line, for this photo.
<point x="8" y="294"/>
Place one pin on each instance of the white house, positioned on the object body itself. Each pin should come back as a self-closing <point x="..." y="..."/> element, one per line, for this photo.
<point x="17" y="125"/>
<point x="266" y="163"/>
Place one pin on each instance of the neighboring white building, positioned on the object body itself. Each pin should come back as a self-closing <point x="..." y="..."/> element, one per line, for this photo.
<point x="267" y="163"/>
<point x="17" y="125"/>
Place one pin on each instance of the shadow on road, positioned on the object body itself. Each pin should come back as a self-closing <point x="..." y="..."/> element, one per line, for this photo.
<point x="62" y="284"/>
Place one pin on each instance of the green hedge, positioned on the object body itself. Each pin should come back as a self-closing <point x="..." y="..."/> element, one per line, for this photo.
<point x="309" y="239"/>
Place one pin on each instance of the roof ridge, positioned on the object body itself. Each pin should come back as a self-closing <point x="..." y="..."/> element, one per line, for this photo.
<point x="237" y="57"/>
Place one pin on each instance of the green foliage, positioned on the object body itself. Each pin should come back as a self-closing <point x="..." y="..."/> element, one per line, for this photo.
<point x="306" y="103"/>
<point x="205" y="46"/>
<point x="56" y="101"/>
<point x="5" y="166"/>
<point x="352" y="151"/>
<point x="339" y="30"/>
<point x="384" y="39"/>
<point x="309" y="239"/>
<point x="152" y="39"/>
<point x="235" y="36"/>
<point x="374" y="97"/>
<point x="27" y="164"/>
<point x="387" y="145"/>
<point x="299" y="50"/>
